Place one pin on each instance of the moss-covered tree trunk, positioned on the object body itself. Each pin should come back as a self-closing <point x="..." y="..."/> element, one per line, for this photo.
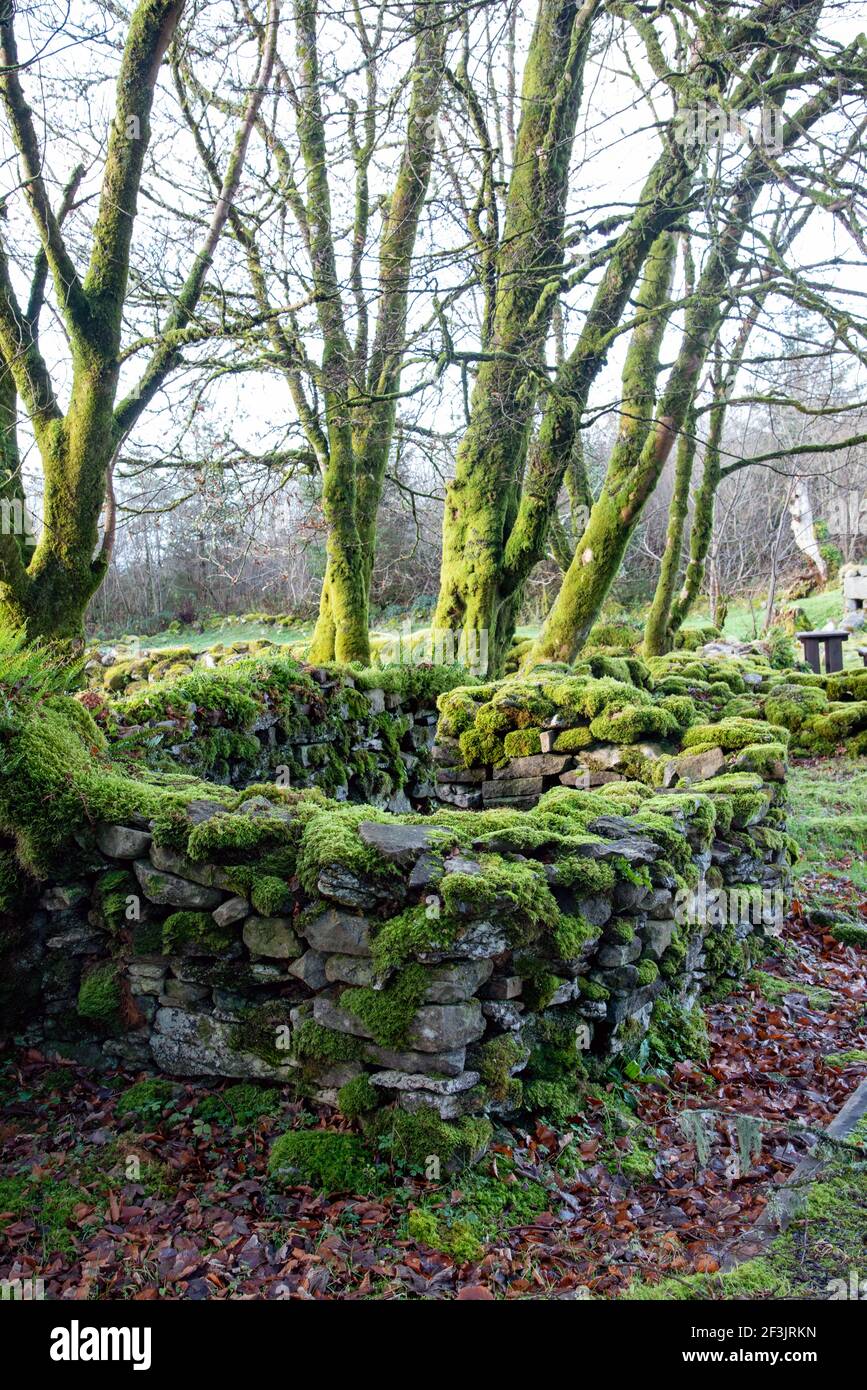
<point x="657" y="634"/>
<point x="634" y="472"/>
<point x="354" y="465"/>
<point x="45" y="590"/>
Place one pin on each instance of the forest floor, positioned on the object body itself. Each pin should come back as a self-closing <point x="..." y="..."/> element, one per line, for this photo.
<point x="117" y="1187"/>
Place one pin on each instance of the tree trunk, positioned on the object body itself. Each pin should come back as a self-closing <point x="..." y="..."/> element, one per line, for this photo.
<point x="657" y="632"/>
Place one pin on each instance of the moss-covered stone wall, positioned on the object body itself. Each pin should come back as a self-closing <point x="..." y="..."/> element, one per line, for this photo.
<point x="362" y="735"/>
<point x="446" y="967"/>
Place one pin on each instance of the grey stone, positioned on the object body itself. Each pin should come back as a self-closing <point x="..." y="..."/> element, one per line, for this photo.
<point x="621" y="979"/>
<point x="632" y="1005"/>
<point x="426" y="870"/>
<point x="657" y="937"/>
<point x="628" y="895"/>
<point x="458" y="864"/>
<point x="170" y="891"/>
<point x="338" y="933"/>
<point x="169" y="861"/>
<point x="611" y="955"/>
<point x="376" y="700"/>
<point x="688" y="768"/>
<point x="203" y="809"/>
<point x="504" y="1014"/>
<point x="605" y="758"/>
<point x="62" y="897"/>
<point x="503" y="987"/>
<point x="461" y="776"/>
<point x="271" y="936"/>
<point x="232" y="910"/>
<point x="480" y="941"/>
<point x="179" y="994"/>
<point x="350" y="970"/>
<point x="401" y="844"/>
<point x="510" y="803"/>
<point x="77" y="941"/>
<point x="447" y="752"/>
<point x="448" y="1107"/>
<point x="516" y="787"/>
<point x="535" y="765"/>
<point x="327" y="1011"/>
<point x="412" y="1081"/>
<point x="450" y="984"/>
<point x="419" y="1063"/>
<point x="310" y="969"/>
<point x="121" y="842"/>
<point x="188" y="1044"/>
<point x="462" y="797"/>
<point x="341" y="884"/>
<point x="444" y="1027"/>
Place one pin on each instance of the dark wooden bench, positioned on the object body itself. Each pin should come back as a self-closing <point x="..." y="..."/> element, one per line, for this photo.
<point x="831" y="641"/>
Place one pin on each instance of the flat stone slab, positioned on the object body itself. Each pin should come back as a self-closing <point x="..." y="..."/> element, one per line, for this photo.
<point x="188" y="1044"/>
<point x="438" y="1085"/>
<point x="419" y="1063"/>
<point x="402" y="844"/>
<point x="535" y="765"/>
<point x="271" y="936"/>
<point x="122" y="842"/>
<point x="339" y="933"/>
<point x="516" y="786"/>
<point x="169" y="891"/>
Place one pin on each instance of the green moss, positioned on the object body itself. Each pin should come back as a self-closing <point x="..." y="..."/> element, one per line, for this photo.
<point x="146" y="1098"/>
<point x="496" y="1061"/>
<point x="734" y="734"/>
<point x="270" y="896"/>
<point x="633" y="723"/>
<point x="323" y="1159"/>
<point x="312" y="1042"/>
<point x="648" y="972"/>
<point x="240" y="1105"/>
<point x="522" y="743"/>
<point x="585" y="875"/>
<point x="330" y="837"/>
<point x="110" y="893"/>
<point x="556" y="1101"/>
<point x="776" y="989"/>
<point x="260" y="1030"/>
<point x="850" y="934"/>
<point x="856" y="1057"/>
<point x="358" y="1097"/>
<point x="455" y="1238"/>
<point x="387" y="1013"/>
<point x="410" y="932"/>
<point x="197" y="929"/>
<point x="412" y="1140"/>
<point x="573" y="740"/>
<point x="676" y="1034"/>
<point x="99" y="996"/>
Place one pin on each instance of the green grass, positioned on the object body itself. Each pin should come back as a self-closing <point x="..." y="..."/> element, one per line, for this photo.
<point x="227" y="632"/>
<point x="828" y="819"/>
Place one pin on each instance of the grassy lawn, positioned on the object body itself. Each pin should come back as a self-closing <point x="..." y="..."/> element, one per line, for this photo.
<point x="226" y="632"/>
<point x="828" y="818"/>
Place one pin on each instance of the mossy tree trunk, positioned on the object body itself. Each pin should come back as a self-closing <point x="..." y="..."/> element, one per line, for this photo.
<point x="482" y="501"/>
<point x="640" y="455"/>
<point x="45" y="590"/>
